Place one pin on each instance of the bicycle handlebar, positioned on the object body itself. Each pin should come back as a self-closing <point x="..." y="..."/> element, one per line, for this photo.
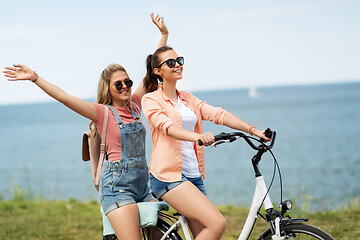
<point x="230" y="137"/>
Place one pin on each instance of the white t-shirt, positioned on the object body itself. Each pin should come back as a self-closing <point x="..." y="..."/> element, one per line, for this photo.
<point x="190" y="166"/>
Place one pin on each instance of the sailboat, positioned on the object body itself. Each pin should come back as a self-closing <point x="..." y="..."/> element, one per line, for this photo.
<point x="253" y="93"/>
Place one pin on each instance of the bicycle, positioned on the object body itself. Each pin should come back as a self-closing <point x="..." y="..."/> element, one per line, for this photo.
<point x="282" y="226"/>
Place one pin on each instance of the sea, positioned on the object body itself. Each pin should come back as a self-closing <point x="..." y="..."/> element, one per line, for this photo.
<point x="317" y="148"/>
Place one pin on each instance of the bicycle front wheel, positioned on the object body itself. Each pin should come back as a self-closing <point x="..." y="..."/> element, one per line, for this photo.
<point x="157" y="232"/>
<point x="300" y="231"/>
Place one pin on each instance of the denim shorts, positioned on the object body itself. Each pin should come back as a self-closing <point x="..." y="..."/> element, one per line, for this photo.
<point x="159" y="188"/>
<point x="123" y="183"/>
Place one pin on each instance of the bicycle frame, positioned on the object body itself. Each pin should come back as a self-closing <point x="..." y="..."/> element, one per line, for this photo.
<point x="180" y="222"/>
<point x="259" y="195"/>
<point x="281" y="226"/>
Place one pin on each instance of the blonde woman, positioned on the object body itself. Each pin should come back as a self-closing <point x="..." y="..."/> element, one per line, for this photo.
<point x="124" y="176"/>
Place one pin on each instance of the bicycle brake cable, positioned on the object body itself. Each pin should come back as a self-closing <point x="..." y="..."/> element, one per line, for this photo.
<point x="276" y="166"/>
<point x="280" y="177"/>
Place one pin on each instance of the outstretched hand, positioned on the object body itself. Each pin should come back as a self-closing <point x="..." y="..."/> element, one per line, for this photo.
<point x="18" y="72"/>
<point x="159" y="22"/>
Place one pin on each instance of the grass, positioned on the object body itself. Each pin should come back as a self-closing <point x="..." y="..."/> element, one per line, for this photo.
<point x="341" y="224"/>
<point x="50" y="220"/>
<point x="40" y="219"/>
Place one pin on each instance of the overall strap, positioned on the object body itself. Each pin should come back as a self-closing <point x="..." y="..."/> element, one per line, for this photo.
<point x="118" y="119"/>
<point x="134" y="114"/>
<point x="102" y="146"/>
<point x="127" y="134"/>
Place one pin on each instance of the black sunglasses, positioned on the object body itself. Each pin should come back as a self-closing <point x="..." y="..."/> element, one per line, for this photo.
<point x="172" y="62"/>
<point x="118" y="85"/>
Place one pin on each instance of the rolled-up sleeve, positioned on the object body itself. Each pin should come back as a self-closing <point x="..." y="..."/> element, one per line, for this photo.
<point x="155" y="114"/>
<point x="210" y="113"/>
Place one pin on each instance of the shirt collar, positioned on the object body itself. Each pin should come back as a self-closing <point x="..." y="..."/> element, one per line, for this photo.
<point x="166" y="98"/>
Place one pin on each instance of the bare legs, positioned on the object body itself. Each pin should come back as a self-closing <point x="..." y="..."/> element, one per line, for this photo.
<point x="125" y="221"/>
<point x="205" y="221"/>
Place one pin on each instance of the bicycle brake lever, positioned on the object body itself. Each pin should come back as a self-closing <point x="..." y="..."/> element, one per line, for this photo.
<point x="219" y="142"/>
<point x="229" y="140"/>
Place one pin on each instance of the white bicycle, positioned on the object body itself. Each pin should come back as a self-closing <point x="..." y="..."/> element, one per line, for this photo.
<point x="281" y="226"/>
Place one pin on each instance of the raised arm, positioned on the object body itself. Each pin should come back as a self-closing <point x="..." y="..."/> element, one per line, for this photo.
<point x="160" y="24"/>
<point x="22" y="72"/>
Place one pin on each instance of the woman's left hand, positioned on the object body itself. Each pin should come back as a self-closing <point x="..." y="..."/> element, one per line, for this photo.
<point x="159" y="22"/>
<point x="261" y="134"/>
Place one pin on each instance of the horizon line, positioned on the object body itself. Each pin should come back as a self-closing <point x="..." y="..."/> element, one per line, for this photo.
<point x="45" y="101"/>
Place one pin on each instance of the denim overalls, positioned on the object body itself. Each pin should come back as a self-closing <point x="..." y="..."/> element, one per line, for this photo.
<point x="126" y="181"/>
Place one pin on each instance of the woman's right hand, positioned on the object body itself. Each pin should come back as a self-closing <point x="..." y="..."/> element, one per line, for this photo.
<point x="22" y="72"/>
<point x="207" y="138"/>
<point x="18" y="72"/>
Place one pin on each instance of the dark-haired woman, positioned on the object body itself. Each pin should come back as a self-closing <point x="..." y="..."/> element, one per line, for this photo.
<point x="124" y="175"/>
<point x="177" y="168"/>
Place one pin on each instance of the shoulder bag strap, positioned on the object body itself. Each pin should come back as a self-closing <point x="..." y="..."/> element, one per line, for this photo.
<point x="102" y="146"/>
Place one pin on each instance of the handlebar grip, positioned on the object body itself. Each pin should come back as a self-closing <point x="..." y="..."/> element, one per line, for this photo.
<point x="217" y="138"/>
<point x="268" y="133"/>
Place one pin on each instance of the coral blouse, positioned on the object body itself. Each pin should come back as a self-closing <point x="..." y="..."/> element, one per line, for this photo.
<point x="166" y="155"/>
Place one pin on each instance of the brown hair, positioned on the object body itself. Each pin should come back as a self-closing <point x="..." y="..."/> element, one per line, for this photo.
<point x="152" y="61"/>
<point x="103" y="95"/>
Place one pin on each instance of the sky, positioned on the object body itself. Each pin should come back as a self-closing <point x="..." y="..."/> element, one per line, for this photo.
<point x="226" y="44"/>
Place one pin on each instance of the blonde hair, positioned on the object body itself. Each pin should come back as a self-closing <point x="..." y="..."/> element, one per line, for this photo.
<point x="103" y="95"/>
